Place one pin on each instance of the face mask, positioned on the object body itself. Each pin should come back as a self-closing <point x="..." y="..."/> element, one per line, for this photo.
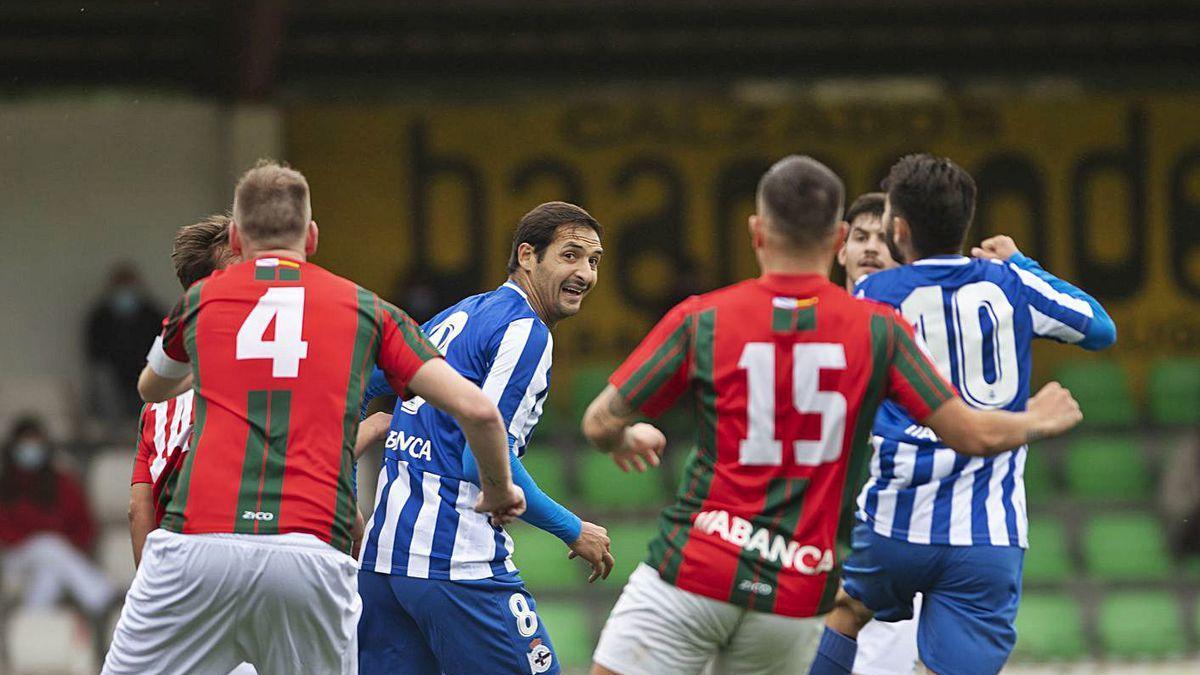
<point x="30" y="455"/>
<point x="125" y="301"/>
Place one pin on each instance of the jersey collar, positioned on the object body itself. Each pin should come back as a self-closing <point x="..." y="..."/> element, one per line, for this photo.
<point x="520" y="291"/>
<point x="794" y="284"/>
<point x="943" y="260"/>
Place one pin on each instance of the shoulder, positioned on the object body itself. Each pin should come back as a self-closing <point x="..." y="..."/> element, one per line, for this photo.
<point x="723" y="295"/>
<point x="877" y="283"/>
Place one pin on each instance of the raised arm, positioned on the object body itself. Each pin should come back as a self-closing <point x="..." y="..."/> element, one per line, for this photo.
<point x="610" y="425"/>
<point x="983" y="433"/>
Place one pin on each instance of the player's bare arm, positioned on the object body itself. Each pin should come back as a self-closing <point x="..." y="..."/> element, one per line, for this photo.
<point x="983" y="433"/>
<point x="593" y="546"/>
<point x="610" y="424"/>
<point x="141" y="517"/>
<point x="439" y="384"/>
<point x="371" y="431"/>
<point x="999" y="247"/>
<point x="155" y="388"/>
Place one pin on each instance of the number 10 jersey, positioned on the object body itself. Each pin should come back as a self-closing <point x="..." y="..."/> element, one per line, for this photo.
<point x="785" y="374"/>
<point x="279" y="352"/>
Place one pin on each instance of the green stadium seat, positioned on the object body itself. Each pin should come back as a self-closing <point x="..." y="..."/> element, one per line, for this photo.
<point x="1040" y="479"/>
<point x="548" y="467"/>
<point x="1102" y="389"/>
<point x="629" y="542"/>
<point x="1049" y="628"/>
<point x="1047" y="560"/>
<point x="542" y="560"/>
<point x="571" y="630"/>
<point x="1126" y="547"/>
<point x="553" y="424"/>
<point x="1141" y="624"/>
<point x="586" y="383"/>
<point x="606" y="486"/>
<point x="1174" y="391"/>
<point x="1107" y="468"/>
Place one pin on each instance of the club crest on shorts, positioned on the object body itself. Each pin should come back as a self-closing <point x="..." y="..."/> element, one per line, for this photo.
<point x="540" y="657"/>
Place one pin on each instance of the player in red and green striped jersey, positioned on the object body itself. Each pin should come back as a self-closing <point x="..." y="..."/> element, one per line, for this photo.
<point x="252" y="560"/>
<point x="785" y="373"/>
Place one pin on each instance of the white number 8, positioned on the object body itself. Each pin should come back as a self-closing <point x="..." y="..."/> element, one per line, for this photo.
<point x="527" y="621"/>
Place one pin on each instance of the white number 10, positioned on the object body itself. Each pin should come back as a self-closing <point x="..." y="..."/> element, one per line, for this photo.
<point x="286" y="307"/>
<point x="760" y="447"/>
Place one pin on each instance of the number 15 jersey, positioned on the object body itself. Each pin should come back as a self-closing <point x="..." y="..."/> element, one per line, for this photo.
<point x="279" y="352"/>
<point x="785" y="373"/>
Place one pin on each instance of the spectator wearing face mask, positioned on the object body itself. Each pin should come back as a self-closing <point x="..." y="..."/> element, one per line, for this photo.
<point x="46" y="527"/>
<point x="121" y="325"/>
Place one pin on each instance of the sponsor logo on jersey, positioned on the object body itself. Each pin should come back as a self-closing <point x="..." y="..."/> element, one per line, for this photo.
<point x="416" y="447"/>
<point x="756" y="587"/>
<point x="918" y="431"/>
<point x="258" y="515"/>
<point x="803" y="558"/>
<point x="540" y="657"/>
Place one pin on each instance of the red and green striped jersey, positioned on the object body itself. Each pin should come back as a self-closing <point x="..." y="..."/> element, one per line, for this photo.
<point x="280" y="352"/>
<point x="785" y="373"/>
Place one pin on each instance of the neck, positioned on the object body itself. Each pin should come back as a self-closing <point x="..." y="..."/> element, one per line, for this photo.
<point x="778" y="263"/>
<point x="290" y="253"/>
<point x="521" y="279"/>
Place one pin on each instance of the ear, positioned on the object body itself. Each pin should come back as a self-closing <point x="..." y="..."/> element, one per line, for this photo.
<point x="310" y="241"/>
<point x="901" y="234"/>
<point x="839" y="236"/>
<point x="235" y="239"/>
<point x="755" y="226"/>
<point x="841" y="254"/>
<point x="526" y="256"/>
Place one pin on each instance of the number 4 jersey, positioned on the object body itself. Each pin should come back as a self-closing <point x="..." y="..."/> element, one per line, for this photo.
<point x="786" y="373"/>
<point x="279" y="352"/>
<point x="977" y="318"/>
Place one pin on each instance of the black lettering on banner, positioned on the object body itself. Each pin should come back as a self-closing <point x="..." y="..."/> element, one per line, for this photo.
<point x="1124" y="278"/>
<point x="658" y="233"/>
<point x="1010" y="176"/>
<point x="569" y="183"/>
<point x="426" y="170"/>
<point x="1183" y="221"/>
<point x="736" y="185"/>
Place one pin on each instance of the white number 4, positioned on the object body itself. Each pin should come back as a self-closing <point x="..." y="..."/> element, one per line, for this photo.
<point x="286" y="307"/>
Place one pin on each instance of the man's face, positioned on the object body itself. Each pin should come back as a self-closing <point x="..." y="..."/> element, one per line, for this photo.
<point x="566" y="271"/>
<point x="866" y="250"/>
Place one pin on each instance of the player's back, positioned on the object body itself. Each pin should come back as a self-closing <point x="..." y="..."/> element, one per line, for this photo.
<point x="786" y="372"/>
<point x="164" y="433"/>
<point x="280" y="351"/>
<point x="978" y="319"/>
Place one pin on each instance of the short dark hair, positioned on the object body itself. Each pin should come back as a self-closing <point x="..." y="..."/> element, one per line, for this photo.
<point x="197" y="246"/>
<point x="936" y="197"/>
<point x="868" y="204"/>
<point x="538" y="227"/>
<point x="802" y="199"/>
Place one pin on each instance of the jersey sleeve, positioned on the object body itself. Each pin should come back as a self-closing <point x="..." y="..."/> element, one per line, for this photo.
<point x="655" y="374"/>
<point x="1098" y="332"/>
<point x="168" y="357"/>
<point x="145" y="447"/>
<point x="913" y="380"/>
<point x="519" y="374"/>
<point x="376" y="386"/>
<point x="403" y="348"/>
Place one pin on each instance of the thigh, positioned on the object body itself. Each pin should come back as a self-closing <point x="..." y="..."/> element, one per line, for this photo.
<point x="766" y="644"/>
<point x="389" y="639"/>
<point x="967" y="617"/>
<point x="888" y="648"/>
<point x="884" y="574"/>
<point x="658" y="628"/>
<point x="301" y="614"/>
<point x="179" y="615"/>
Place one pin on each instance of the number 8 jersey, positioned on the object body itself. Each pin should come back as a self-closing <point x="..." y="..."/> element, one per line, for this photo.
<point x="978" y="318"/>
<point x="785" y="374"/>
<point x="279" y="352"/>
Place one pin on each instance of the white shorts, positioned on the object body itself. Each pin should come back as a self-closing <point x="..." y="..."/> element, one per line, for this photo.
<point x="203" y="603"/>
<point x="661" y="629"/>
<point x="888" y="648"/>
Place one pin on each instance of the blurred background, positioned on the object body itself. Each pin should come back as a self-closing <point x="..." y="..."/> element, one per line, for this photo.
<point x="426" y="128"/>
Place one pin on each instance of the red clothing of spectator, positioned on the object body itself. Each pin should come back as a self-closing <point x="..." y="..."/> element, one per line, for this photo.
<point x="62" y="507"/>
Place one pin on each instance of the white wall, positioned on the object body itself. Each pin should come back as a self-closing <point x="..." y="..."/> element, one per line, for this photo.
<point x="87" y="182"/>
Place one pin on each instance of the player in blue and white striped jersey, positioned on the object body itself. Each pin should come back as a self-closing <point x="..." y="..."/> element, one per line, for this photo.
<point x="440" y="590"/>
<point x="932" y="521"/>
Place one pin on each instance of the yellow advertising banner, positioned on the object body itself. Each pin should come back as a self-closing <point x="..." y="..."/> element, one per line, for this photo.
<point x="1105" y="192"/>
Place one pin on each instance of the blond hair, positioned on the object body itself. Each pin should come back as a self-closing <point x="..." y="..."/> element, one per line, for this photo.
<point x="271" y="205"/>
<point x="199" y="248"/>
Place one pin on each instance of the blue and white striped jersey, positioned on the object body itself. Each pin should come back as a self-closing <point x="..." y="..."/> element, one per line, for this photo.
<point x="424" y="523"/>
<point x="978" y="319"/>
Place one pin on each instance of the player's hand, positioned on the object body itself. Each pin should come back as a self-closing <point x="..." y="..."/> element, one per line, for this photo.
<point x="593" y="546"/>
<point x="999" y="247"/>
<point x="641" y="448"/>
<point x="504" y="504"/>
<point x="1056" y="410"/>
<point x="371" y="431"/>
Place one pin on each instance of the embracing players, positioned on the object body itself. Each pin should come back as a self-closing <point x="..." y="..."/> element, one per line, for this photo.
<point x="934" y="521"/>
<point x="252" y="560"/>
<point x="440" y="591"/>
<point x="786" y="372"/>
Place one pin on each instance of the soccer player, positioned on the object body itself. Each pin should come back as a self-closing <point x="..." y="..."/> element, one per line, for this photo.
<point x="786" y="372"/>
<point x="435" y="575"/>
<point x="251" y="562"/>
<point x="947" y="525"/>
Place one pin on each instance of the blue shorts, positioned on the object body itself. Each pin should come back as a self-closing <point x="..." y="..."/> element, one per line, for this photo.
<point x="970" y="596"/>
<point x="421" y="626"/>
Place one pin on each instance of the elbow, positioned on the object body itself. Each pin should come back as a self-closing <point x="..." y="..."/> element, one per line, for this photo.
<point x="592" y="426"/>
<point x="480" y="412"/>
<point x="1102" y="338"/>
